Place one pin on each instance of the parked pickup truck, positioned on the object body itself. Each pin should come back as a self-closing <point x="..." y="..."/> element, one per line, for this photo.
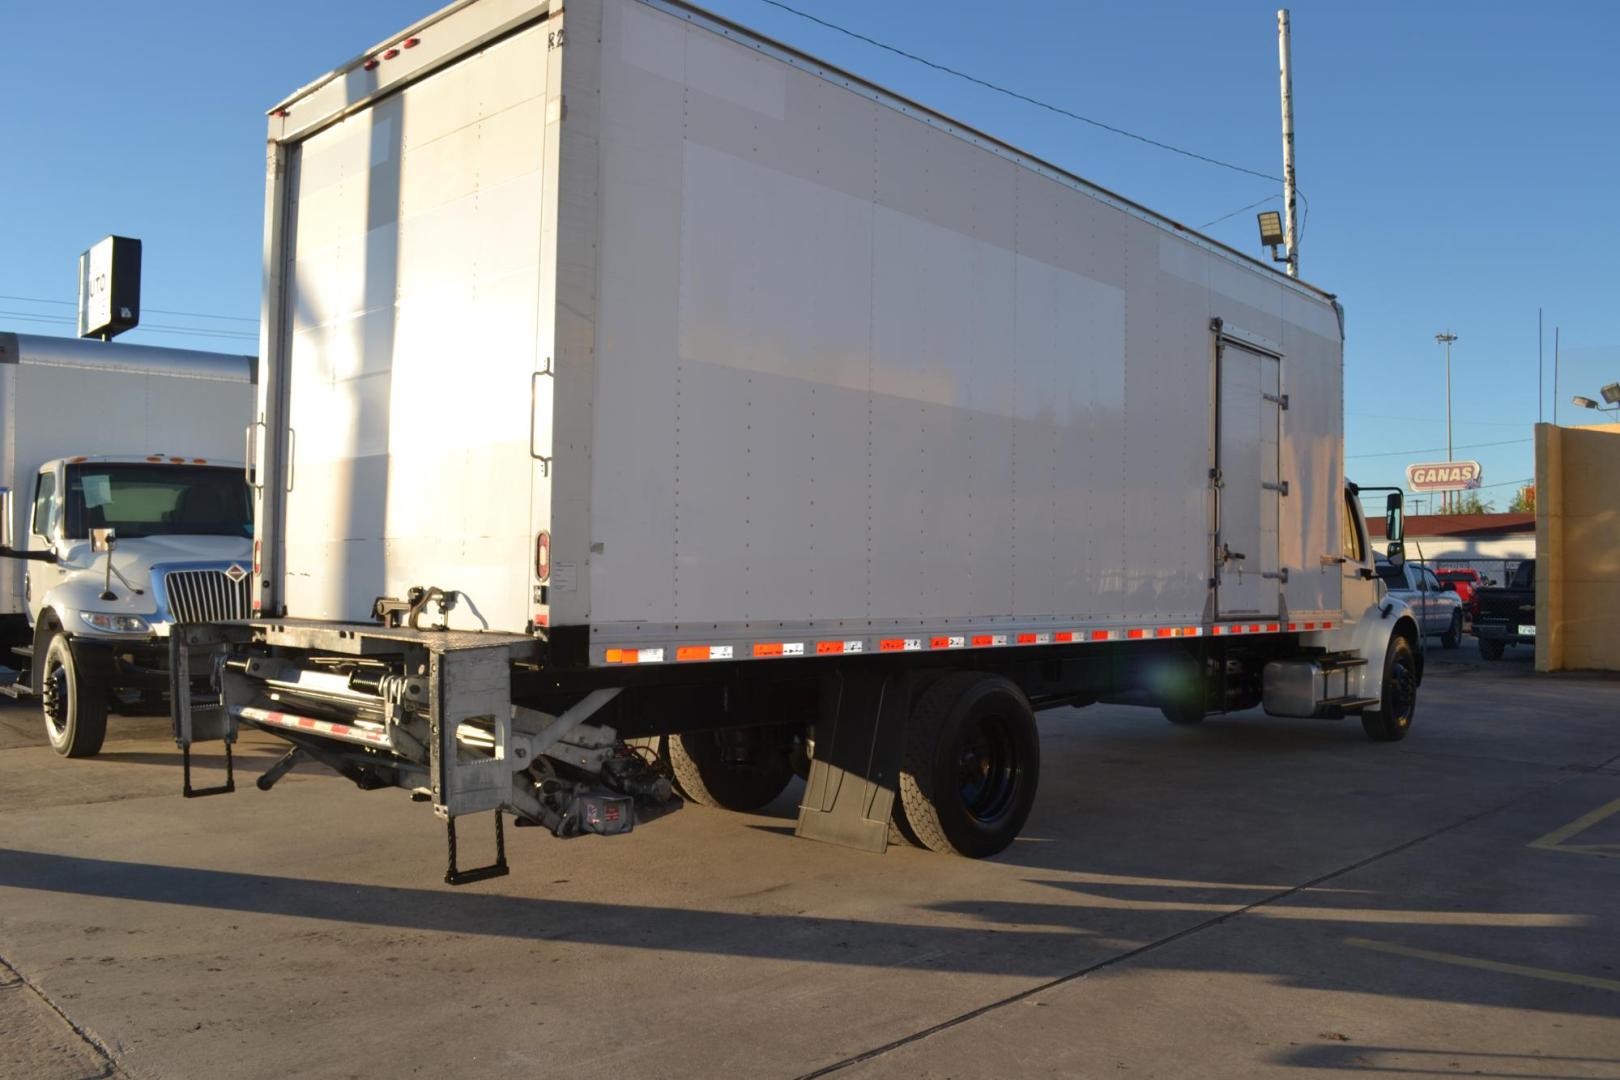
<point x="1507" y="616"/>
<point x="1464" y="581"/>
<point x="1438" y="609"/>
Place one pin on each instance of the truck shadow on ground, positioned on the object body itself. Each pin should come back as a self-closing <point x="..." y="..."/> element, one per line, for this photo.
<point x="1100" y="922"/>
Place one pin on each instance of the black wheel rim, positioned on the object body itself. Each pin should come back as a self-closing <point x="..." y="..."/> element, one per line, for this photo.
<point x="54" y="698"/>
<point x="987" y="769"/>
<point x="1402" y="690"/>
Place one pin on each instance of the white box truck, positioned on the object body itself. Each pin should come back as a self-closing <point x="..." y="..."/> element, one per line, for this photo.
<point x="124" y="508"/>
<point x="643" y="396"/>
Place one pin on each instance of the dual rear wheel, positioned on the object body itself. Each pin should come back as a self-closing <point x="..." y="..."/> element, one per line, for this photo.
<point x="969" y="766"/>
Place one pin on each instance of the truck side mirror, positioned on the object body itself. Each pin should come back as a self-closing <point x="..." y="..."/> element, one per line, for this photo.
<point x="1396" y="554"/>
<point x="103" y="540"/>
<point x="7" y="522"/>
<point x="1394" y="518"/>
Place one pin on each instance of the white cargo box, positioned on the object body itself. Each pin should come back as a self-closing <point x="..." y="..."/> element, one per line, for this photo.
<point x="765" y="360"/>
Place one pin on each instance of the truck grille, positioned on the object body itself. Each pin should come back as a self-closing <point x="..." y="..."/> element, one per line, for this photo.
<point x="204" y="596"/>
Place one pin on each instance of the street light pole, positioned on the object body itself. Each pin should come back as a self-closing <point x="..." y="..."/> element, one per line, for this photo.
<point x="1286" y="73"/>
<point x="1446" y="339"/>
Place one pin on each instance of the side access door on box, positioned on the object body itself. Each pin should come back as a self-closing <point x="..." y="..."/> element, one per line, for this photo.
<point x="1248" y="490"/>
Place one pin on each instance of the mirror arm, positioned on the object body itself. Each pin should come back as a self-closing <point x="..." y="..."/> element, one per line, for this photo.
<point x="31" y="556"/>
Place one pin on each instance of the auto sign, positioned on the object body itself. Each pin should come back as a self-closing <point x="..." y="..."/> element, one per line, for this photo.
<point x="1443" y="476"/>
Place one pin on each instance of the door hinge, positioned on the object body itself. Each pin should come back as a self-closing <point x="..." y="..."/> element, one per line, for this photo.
<point x="1279" y="400"/>
<point x="1281" y="487"/>
<point x="1280" y="575"/>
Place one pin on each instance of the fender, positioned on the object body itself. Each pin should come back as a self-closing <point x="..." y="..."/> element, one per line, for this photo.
<point x="1370" y="636"/>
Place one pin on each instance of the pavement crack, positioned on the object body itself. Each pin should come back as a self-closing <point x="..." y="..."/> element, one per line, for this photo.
<point x="1170" y="939"/>
<point x="111" y="1070"/>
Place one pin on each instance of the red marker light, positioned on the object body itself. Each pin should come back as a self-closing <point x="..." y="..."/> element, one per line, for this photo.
<point x="370" y="64"/>
<point x="390" y="54"/>
<point x="542" y="555"/>
<point x="411" y="43"/>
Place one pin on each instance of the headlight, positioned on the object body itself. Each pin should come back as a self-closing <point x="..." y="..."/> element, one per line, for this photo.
<point x="111" y="623"/>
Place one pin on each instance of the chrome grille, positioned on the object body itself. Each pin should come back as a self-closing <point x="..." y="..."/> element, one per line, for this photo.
<point x="205" y="596"/>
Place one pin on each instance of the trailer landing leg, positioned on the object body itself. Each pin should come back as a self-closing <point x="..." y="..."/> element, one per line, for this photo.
<point x="849" y="796"/>
<point x="498" y="868"/>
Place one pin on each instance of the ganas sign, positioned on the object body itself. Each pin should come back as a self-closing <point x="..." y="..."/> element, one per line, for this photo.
<point x="1443" y="476"/>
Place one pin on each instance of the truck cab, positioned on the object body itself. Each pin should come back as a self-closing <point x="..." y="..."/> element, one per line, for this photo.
<point x="119" y="550"/>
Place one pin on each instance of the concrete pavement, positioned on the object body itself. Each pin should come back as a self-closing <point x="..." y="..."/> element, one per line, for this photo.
<point x="1251" y="896"/>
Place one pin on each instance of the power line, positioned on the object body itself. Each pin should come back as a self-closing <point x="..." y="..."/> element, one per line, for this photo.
<point x="190" y="331"/>
<point x="1438" y="449"/>
<point x="153" y="310"/>
<point x="1238" y="211"/>
<point x="1038" y="103"/>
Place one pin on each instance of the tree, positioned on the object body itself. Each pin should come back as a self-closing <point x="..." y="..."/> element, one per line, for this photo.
<point x="1467" y="502"/>
<point x="1524" y="500"/>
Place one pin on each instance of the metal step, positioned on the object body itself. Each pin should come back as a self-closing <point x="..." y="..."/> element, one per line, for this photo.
<point x="18" y="691"/>
<point x="1347" y="703"/>
<point x="1339" y="661"/>
<point x="23" y="650"/>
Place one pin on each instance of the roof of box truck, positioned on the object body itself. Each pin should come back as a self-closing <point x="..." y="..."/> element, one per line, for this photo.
<point x="86" y="354"/>
<point x="390" y="46"/>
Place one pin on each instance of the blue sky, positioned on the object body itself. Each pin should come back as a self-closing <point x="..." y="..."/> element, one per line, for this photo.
<point x="1461" y="161"/>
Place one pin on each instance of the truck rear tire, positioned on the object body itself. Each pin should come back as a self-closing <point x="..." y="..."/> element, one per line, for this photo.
<point x="970" y="765"/>
<point x="1399" y="692"/>
<point x="705" y="776"/>
<point x="75" y="708"/>
<point x="1453" y="635"/>
<point x="1491" y="649"/>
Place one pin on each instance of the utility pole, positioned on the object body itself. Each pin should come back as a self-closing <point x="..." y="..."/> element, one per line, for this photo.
<point x="1541" y="394"/>
<point x="1291" y="222"/>
<point x="1555" y="377"/>
<point x="1446" y="339"/>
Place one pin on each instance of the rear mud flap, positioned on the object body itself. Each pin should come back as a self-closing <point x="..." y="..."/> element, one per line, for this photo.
<point x="849" y="796"/>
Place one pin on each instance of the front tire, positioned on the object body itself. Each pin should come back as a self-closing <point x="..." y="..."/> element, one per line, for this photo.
<point x="75" y="708"/>
<point x="970" y="765"/>
<point x="1453" y="636"/>
<point x="1391" y="722"/>
<point x="706" y="773"/>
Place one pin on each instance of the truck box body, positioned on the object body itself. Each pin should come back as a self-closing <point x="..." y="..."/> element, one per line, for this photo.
<point x="775" y="360"/>
<point x="63" y="396"/>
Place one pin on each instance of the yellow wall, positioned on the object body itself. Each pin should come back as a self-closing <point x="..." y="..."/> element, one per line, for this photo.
<point x="1577" y="547"/>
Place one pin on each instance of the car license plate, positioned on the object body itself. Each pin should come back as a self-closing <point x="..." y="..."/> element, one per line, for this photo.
<point x="1527" y="630"/>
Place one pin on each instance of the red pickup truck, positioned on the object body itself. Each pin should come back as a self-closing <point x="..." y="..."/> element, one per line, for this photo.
<point x="1464" y="581"/>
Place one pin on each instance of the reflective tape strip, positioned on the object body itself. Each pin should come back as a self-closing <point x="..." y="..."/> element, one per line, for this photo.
<point x="364" y="736"/>
<point x="704" y="652"/>
<point x="764" y="650"/>
<point x="635" y="656"/>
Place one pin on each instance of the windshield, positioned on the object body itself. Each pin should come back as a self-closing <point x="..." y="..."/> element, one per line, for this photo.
<point x="157" y="500"/>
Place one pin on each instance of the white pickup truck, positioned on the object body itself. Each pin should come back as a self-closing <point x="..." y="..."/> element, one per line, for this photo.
<point x="102" y="553"/>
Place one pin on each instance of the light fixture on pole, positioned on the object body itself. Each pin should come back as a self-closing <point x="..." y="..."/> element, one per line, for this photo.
<point x="1611" y="394"/>
<point x="1446" y="339"/>
<point x="1271" y="233"/>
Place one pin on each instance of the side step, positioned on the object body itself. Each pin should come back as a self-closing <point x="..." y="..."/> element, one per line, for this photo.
<point x="23" y="650"/>
<point x="19" y="690"/>
<point x="1339" y="661"/>
<point x="1346" y="703"/>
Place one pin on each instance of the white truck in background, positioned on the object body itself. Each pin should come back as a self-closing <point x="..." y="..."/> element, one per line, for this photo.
<point x="124" y="508"/>
<point x="644" y="400"/>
